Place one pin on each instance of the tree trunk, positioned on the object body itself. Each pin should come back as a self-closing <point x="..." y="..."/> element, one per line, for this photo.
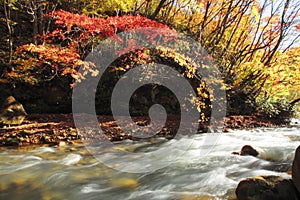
<point x="35" y="27"/>
<point x="9" y="28"/>
<point x="159" y="7"/>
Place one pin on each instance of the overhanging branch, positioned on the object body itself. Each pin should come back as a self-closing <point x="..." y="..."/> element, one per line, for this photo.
<point x="295" y="101"/>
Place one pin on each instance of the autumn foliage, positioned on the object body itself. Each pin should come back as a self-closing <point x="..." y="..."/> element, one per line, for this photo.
<point x="63" y="50"/>
<point x="72" y="38"/>
<point x="253" y="43"/>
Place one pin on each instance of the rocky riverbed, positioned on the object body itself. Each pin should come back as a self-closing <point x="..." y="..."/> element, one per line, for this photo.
<point x="59" y="129"/>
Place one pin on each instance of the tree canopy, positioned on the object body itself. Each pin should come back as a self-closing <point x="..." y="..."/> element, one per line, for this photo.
<point x="255" y="44"/>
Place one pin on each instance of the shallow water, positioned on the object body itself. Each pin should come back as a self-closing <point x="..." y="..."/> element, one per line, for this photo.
<point x="187" y="168"/>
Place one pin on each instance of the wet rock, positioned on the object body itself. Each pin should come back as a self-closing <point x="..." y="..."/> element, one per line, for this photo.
<point x="266" y="188"/>
<point x="11" y="141"/>
<point x="125" y="183"/>
<point x="21" y="189"/>
<point x="61" y="143"/>
<point x="247" y="150"/>
<point x="11" y="111"/>
<point x="296" y="169"/>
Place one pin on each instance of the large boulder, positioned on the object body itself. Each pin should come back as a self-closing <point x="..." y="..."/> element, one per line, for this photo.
<point x="296" y="169"/>
<point x="266" y="188"/>
<point x="11" y="111"/>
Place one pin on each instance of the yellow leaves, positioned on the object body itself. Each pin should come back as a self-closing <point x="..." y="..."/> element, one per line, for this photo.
<point x="89" y="68"/>
<point x="99" y="8"/>
<point x="283" y="81"/>
<point x="184" y="62"/>
<point x="255" y="12"/>
<point x="119" y="69"/>
<point x="29" y="47"/>
<point x="203" y="95"/>
<point x="200" y="4"/>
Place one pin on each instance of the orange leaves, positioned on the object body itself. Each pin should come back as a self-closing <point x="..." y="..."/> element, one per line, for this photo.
<point x="52" y="53"/>
<point x="37" y="62"/>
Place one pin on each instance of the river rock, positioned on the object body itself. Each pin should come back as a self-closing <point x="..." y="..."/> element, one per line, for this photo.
<point x="11" y="111"/>
<point x="125" y="183"/>
<point x="296" y="169"/>
<point x="247" y="150"/>
<point x="266" y="188"/>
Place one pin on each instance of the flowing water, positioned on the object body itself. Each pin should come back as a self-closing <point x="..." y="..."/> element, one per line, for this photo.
<point x="71" y="172"/>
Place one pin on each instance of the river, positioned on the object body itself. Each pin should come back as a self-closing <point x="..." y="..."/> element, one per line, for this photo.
<point x="71" y="172"/>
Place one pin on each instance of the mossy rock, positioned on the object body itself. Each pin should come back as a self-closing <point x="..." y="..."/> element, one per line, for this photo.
<point x="11" y="111"/>
<point x="266" y="188"/>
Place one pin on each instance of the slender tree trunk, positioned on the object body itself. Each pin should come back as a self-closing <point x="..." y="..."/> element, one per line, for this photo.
<point x="159" y="7"/>
<point x="9" y="28"/>
<point x="41" y="20"/>
<point x="35" y="27"/>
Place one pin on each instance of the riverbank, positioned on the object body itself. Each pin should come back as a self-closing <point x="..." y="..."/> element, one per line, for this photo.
<point x="59" y="129"/>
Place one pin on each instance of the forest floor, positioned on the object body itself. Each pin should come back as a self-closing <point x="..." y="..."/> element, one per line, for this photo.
<point x="59" y="129"/>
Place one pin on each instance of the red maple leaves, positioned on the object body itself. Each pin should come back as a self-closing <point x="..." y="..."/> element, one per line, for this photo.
<point x="100" y="27"/>
<point x="74" y="35"/>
